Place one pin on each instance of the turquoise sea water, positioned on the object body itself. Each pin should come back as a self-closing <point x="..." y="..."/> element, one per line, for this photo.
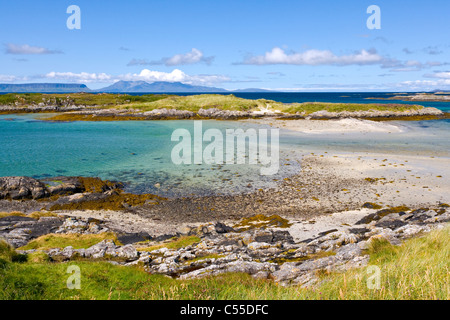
<point x="139" y="152"/>
<point x="135" y="152"/>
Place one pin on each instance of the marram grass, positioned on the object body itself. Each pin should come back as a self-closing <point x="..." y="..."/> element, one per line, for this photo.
<point x="418" y="269"/>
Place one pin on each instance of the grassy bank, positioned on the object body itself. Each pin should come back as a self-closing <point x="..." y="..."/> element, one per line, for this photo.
<point x="418" y="269"/>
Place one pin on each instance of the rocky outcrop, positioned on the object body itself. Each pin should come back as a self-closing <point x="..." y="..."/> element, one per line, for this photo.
<point x="263" y="252"/>
<point x="215" y="113"/>
<point x="19" y="230"/>
<point x="17" y="188"/>
<point x="22" y="188"/>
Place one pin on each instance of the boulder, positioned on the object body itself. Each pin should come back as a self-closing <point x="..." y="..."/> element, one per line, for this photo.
<point x="17" y="188"/>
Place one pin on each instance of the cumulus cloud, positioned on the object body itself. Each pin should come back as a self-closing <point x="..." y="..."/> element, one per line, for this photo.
<point x="146" y="75"/>
<point x="83" y="77"/>
<point x="175" y="76"/>
<point x="27" y="49"/>
<point x="192" y="57"/>
<point x="195" y="56"/>
<point x="315" y="57"/>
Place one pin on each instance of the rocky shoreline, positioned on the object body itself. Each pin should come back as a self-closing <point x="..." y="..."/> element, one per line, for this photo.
<point x="287" y="249"/>
<point x="323" y="218"/>
<point x="266" y="247"/>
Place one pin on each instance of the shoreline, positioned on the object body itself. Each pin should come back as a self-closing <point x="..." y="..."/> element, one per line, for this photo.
<point x="326" y="184"/>
<point x="218" y="114"/>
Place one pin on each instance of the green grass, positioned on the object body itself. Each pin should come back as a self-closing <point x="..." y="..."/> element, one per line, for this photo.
<point x="77" y="241"/>
<point x="418" y="269"/>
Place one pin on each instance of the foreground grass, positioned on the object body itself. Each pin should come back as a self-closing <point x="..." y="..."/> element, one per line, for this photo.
<point x="418" y="269"/>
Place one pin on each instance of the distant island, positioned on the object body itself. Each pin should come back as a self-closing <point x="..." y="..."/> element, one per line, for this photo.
<point x="43" y="87"/>
<point x="118" y="87"/>
<point x="102" y="106"/>
<point x="436" y="96"/>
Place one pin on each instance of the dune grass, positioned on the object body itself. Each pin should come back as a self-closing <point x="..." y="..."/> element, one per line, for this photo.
<point x="418" y="269"/>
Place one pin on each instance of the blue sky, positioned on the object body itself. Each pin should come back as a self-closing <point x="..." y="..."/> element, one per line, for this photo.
<point x="284" y="45"/>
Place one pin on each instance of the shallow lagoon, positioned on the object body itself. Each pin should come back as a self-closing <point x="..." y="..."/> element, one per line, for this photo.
<point x="135" y="152"/>
<point x="139" y="152"/>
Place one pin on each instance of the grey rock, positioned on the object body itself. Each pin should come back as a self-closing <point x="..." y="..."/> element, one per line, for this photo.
<point x="22" y="188"/>
<point x="128" y="252"/>
<point x="348" y="251"/>
<point x="391" y="223"/>
<point x="100" y="249"/>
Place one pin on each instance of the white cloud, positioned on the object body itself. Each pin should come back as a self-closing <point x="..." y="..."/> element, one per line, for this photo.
<point x="195" y="56"/>
<point x="27" y="49"/>
<point x="315" y="57"/>
<point x="192" y="57"/>
<point x="78" y="77"/>
<point x="151" y="76"/>
<point x="424" y="85"/>
<point x="146" y="75"/>
<point x="10" y="78"/>
<point x="175" y="76"/>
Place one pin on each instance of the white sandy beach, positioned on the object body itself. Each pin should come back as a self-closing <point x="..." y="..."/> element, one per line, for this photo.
<point x="332" y="126"/>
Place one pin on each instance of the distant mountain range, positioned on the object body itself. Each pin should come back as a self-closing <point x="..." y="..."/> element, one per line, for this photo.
<point x="167" y="87"/>
<point x="117" y="87"/>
